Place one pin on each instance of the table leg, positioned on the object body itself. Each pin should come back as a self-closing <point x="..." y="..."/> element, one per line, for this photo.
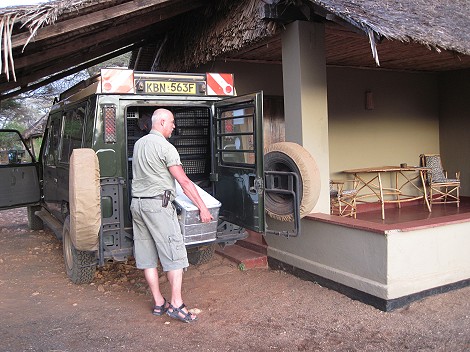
<point x="381" y="195"/>
<point x="397" y="188"/>
<point x="425" y="192"/>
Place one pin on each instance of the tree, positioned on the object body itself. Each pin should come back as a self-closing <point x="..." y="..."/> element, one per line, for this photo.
<point x="23" y="111"/>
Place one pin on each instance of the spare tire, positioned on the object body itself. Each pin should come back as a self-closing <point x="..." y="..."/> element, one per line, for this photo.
<point x="84" y="199"/>
<point x="292" y="157"/>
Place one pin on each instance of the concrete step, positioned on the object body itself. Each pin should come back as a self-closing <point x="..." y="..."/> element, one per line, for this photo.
<point x="255" y="242"/>
<point x="244" y="257"/>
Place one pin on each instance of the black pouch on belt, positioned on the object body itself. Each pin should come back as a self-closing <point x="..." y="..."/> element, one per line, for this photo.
<point x="166" y="198"/>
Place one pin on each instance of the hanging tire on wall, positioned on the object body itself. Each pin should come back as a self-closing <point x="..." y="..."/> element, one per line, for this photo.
<point x="292" y="157"/>
<point x="79" y="265"/>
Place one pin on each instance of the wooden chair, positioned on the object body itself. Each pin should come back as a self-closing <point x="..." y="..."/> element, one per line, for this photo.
<point x="342" y="200"/>
<point x="442" y="189"/>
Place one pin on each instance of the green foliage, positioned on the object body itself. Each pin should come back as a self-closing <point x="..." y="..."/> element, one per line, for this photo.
<point x="10" y="104"/>
<point x="19" y="113"/>
<point x="10" y="141"/>
<point x="23" y="111"/>
<point x="15" y="125"/>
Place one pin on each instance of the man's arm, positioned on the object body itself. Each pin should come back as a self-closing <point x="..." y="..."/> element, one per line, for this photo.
<point x="190" y="190"/>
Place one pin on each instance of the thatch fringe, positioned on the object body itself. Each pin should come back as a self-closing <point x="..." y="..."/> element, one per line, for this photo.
<point x="226" y="26"/>
<point x="436" y="24"/>
<point x="32" y="18"/>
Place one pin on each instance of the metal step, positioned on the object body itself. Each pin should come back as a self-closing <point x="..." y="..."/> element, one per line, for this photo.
<point x="51" y="222"/>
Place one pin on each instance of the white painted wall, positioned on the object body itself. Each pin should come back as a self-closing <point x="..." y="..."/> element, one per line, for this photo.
<point x="388" y="266"/>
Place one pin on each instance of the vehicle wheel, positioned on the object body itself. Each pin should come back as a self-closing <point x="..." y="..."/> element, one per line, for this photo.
<point x="79" y="265"/>
<point x="291" y="157"/>
<point x="34" y="222"/>
<point x="201" y="255"/>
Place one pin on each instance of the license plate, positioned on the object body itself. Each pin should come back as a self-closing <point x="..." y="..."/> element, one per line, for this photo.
<point x="156" y="87"/>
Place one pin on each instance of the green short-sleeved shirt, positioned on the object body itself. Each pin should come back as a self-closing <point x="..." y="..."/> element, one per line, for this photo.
<point x="152" y="157"/>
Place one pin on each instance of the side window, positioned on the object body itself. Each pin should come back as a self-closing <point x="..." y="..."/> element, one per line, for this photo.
<point x="72" y="132"/>
<point x="89" y="124"/>
<point x="51" y="151"/>
<point x="13" y="150"/>
<point x="237" y="136"/>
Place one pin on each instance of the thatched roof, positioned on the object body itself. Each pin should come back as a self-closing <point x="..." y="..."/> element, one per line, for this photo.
<point x="44" y="43"/>
<point x="228" y="26"/>
<point x="438" y="24"/>
<point x="30" y="18"/>
<point x="57" y="37"/>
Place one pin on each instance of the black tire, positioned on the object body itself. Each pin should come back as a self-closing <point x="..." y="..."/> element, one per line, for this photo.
<point x="79" y="265"/>
<point x="291" y="157"/>
<point x="202" y="255"/>
<point x="34" y="222"/>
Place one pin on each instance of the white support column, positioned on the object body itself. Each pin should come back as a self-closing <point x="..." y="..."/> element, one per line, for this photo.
<point x="305" y="96"/>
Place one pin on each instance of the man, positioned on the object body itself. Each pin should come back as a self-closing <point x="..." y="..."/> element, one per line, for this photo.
<point x="157" y="234"/>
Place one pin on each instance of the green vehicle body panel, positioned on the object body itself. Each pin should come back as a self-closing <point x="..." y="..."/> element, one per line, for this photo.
<point x="238" y="186"/>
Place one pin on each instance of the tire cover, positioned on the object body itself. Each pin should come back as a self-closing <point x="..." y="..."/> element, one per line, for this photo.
<point x="84" y="199"/>
<point x="288" y="156"/>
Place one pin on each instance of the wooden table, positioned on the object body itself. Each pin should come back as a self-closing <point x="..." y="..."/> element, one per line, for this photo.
<point x="409" y="175"/>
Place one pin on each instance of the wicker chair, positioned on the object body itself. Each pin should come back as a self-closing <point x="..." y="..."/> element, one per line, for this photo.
<point x="442" y="189"/>
<point x="343" y="201"/>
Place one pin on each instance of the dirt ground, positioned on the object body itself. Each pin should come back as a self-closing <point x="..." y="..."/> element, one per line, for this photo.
<point x="254" y="310"/>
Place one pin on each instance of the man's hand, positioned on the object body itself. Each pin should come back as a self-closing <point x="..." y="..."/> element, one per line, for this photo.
<point x="205" y="215"/>
<point x="190" y="190"/>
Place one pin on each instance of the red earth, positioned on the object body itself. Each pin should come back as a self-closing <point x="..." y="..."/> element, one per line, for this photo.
<point x="253" y="310"/>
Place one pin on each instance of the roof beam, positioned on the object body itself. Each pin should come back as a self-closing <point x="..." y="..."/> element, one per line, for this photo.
<point x="128" y="9"/>
<point x="66" y="73"/>
<point x="73" y="44"/>
<point x="57" y="47"/>
<point x="71" y="61"/>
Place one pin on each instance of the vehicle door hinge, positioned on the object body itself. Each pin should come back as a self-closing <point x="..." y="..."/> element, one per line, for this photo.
<point x="214" y="177"/>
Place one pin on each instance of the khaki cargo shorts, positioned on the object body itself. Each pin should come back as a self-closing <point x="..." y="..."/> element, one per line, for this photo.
<point x="157" y="235"/>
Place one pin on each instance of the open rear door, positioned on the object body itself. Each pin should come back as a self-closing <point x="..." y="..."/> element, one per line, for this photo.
<point x="19" y="182"/>
<point x="238" y="161"/>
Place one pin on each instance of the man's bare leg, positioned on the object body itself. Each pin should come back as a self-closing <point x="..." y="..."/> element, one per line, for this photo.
<point x="175" y="277"/>
<point x="151" y="275"/>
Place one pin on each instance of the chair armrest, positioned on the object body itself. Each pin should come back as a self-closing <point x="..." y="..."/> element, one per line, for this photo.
<point x="335" y="182"/>
<point x="336" y="187"/>
<point x="457" y="174"/>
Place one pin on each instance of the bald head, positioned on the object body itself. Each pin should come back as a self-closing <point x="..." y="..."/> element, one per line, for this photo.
<point x="163" y="121"/>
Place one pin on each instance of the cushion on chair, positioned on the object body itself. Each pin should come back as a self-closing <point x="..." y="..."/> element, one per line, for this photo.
<point x="349" y="192"/>
<point x="434" y="163"/>
<point x="447" y="180"/>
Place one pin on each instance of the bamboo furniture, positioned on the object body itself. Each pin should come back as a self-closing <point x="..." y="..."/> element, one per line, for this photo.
<point x="405" y="177"/>
<point x="343" y="200"/>
<point x="441" y="188"/>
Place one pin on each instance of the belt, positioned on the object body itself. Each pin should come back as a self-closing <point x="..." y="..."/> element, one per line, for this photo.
<point x="154" y="197"/>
